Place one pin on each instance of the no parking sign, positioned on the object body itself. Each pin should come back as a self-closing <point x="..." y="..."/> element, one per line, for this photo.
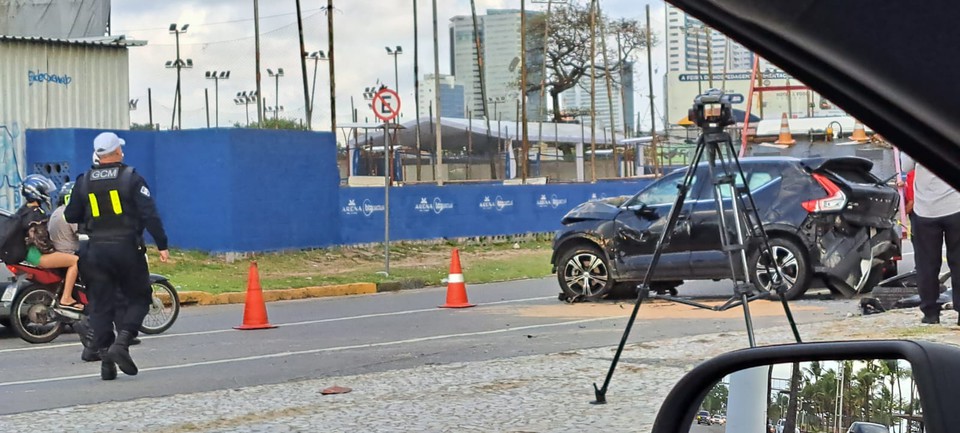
<point x="386" y="105"/>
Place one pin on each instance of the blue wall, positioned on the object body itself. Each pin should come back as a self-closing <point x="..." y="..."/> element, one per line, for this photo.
<point x="258" y="190"/>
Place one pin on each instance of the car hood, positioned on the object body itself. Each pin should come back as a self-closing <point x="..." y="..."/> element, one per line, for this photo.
<point x="889" y="63"/>
<point x="595" y="210"/>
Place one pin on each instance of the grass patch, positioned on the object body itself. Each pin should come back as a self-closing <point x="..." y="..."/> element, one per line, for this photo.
<point x="916" y="331"/>
<point x="483" y="261"/>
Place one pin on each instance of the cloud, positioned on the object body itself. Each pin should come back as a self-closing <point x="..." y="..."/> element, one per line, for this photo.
<point x="220" y="37"/>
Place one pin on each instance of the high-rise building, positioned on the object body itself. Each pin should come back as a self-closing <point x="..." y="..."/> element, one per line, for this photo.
<point x="693" y="47"/>
<point x="577" y="99"/>
<point x="452" y="103"/>
<point x="499" y="33"/>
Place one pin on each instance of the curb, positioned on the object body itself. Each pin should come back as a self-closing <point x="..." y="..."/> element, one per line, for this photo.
<point x="204" y="298"/>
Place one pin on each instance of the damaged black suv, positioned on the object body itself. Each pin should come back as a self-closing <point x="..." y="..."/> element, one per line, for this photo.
<point x="826" y="218"/>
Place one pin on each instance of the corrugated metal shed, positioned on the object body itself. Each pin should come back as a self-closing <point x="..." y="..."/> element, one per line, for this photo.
<point x="57" y="83"/>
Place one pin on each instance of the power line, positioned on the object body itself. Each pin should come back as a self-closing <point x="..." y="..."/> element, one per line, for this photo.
<point x="220" y="22"/>
<point x="284" y="27"/>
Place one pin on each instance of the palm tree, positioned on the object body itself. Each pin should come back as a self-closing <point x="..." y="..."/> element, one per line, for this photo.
<point x="791" y="419"/>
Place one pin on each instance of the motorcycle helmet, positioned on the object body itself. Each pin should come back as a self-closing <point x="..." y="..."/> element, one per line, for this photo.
<point x="65" y="191"/>
<point x="36" y="188"/>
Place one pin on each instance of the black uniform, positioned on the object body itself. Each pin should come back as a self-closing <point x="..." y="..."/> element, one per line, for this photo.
<point x="112" y="204"/>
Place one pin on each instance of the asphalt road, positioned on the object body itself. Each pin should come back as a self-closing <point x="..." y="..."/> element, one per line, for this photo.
<point x="354" y="335"/>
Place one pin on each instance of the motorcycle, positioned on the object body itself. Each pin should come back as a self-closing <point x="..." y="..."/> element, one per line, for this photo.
<point x="28" y="304"/>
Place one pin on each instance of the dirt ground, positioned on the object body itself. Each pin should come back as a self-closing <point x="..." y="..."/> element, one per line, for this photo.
<point x="652" y="310"/>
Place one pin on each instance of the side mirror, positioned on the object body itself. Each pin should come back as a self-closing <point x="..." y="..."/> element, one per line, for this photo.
<point x="643" y="211"/>
<point x="857" y="386"/>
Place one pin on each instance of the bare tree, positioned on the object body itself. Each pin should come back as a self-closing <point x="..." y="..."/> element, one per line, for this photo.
<point x="568" y="60"/>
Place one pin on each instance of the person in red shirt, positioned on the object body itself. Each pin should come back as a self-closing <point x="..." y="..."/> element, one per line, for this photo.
<point x="908" y="199"/>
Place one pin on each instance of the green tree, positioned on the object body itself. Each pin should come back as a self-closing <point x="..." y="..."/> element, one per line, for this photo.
<point x="142" y="127"/>
<point x="716" y="399"/>
<point x="568" y="59"/>
<point x="279" y="123"/>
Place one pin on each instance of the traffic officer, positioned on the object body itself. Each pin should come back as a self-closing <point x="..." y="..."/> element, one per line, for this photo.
<point x="112" y="204"/>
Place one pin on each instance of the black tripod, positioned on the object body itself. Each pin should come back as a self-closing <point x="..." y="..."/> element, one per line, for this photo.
<point x="738" y="232"/>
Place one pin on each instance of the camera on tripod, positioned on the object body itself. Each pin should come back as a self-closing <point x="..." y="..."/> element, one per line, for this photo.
<point x="714" y="109"/>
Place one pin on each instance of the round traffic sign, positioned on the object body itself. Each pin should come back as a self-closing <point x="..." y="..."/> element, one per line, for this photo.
<point x="386" y="105"/>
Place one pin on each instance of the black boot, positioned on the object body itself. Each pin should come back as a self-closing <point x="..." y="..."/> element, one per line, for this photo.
<point x="85" y="332"/>
<point x="108" y="369"/>
<point x="90" y="354"/>
<point x="120" y="353"/>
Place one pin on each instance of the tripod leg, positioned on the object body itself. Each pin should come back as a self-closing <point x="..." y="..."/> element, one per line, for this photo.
<point x="683" y="188"/>
<point x="766" y="243"/>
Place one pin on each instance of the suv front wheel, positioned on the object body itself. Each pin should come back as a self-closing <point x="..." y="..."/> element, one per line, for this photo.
<point x="584" y="273"/>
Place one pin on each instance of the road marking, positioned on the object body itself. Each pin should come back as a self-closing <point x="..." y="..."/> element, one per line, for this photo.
<point x="306" y="322"/>
<point x="315" y="351"/>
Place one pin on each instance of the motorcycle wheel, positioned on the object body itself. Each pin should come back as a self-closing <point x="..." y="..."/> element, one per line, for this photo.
<point x="32" y="316"/>
<point x="164" y="308"/>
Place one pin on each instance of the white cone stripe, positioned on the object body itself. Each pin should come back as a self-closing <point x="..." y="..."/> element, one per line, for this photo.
<point x="455" y="278"/>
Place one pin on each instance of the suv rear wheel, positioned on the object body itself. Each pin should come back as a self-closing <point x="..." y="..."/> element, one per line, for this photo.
<point x="583" y="272"/>
<point x="792" y="262"/>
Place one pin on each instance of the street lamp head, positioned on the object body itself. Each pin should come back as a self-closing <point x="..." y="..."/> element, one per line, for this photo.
<point x="270" y="72"/>
<point x="210" y="74"/>
<point x="224" y="75"/>
<point x="280" y="72"/>
<point x="184" y="28"/>
<point x="189" y="63"/>
<point x="169" y="64"/>
<point x="173" y="27"/>
<point x="399" y="50"/>
<point x="389" y="51"/>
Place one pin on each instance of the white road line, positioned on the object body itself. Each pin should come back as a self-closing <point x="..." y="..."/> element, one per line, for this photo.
<point x="307" y="322"/>
<point x="315" y="351"/>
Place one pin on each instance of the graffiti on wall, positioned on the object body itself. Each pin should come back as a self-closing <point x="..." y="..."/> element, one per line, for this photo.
<point x="11" y="152"/>
<point x="45" y="77"/>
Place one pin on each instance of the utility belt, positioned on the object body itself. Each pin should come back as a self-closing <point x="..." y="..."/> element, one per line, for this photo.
<point x="116" y="238"/>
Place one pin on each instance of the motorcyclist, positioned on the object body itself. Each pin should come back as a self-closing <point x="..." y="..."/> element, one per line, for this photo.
<point x="28" y="239"/>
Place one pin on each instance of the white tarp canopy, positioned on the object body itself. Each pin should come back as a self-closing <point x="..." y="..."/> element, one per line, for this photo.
<point x="54" y="18"/>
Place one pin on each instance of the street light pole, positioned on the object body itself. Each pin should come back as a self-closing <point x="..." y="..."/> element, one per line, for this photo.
<point x="179" y="65"/>
<point x="316" y="56"/>
<point x="395" y="52"/>
<point x="213" y="75"/>
<point x="276" y="76"/>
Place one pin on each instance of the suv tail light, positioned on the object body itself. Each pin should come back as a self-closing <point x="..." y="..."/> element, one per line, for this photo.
<point x="833" y="202"/>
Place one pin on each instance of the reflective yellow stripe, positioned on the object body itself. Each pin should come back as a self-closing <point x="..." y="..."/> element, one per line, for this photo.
<point x="94" y="207"/>
<point x="115" y="200"/>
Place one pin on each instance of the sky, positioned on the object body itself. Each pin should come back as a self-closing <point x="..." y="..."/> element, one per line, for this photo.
<point x="221" y="37"/>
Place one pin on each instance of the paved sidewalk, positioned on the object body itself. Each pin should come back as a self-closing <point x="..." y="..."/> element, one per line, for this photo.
<point x="544" y="393"/>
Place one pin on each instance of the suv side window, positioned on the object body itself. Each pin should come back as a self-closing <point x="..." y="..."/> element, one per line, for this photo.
<point x="757" y="178"/>
<point x="663" y="191"/>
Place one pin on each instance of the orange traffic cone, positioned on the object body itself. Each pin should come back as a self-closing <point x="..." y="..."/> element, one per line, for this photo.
<point x="456" y="289"/>
<point x="255" y="310"/>
<point x="859" y="134"/>
<point x="785" y="136"/>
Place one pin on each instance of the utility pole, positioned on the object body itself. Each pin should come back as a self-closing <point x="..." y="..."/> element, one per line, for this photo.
<point x="706" y="31"/>
<point x="303" y="70"/>
<point x="150" y="106"/>
<point x="256" y="37"/>
<point x="543" y="70"/>
<point x="593" y="91"/>
<point x="416" y="82"/>
<point x="439" y="175"/>
<point x="523" y="87"/>
<point x="653" y="117"/>
<point x="483" y="88"/>
<point x="608" y="77"/>
<point x="333" y="86"/>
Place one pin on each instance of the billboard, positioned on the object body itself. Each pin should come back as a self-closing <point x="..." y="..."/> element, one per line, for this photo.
<point x="682" y="87"/>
